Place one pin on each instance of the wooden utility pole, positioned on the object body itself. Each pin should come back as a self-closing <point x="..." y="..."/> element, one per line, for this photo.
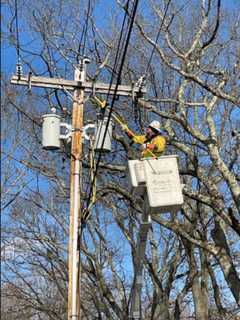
<point x="79" y="86"/>
<point x="74" y="267"/>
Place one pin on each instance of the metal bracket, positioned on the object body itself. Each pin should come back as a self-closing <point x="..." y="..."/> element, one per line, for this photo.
<point x="140" y="84"/>
<point x="82" y="69"/>
<point x="93" y="89"/>
<point x="86" y="128"/>
<point x="30" y="81"/>
<point x="68" y="93"/>
<point x="68" y="134"/>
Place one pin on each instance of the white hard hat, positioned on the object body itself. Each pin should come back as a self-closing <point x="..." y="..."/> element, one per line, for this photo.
<point x="155" y="125"/>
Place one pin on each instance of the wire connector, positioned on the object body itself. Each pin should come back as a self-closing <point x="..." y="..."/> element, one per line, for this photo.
<point x="138" y="86"/>
<point x="141" y="82"/>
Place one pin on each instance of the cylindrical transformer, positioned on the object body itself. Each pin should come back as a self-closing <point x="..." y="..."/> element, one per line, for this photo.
<point x="51" y="131"/>
<point x="99" y="135"/>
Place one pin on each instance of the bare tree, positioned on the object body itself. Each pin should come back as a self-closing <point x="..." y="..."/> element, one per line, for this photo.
<point x="191" y="264"/>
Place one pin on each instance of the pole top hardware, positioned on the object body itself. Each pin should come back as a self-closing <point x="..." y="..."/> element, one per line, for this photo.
<point x="19" y="70"/>
<point x="86" y="135"/>
<point x="30" y="81"/>
<point x="82" y="68"/>
<point x="139" y="88"/>
<point x="86" y="60"/>
<point x="65" y="131"/>
<point x="71" y="85"/>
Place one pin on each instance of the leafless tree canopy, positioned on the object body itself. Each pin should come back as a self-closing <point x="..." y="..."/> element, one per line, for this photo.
<point x="191" y="266"/>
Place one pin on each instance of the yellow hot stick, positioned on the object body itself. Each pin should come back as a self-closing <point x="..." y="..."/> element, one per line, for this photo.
<point x="103" y="104"/>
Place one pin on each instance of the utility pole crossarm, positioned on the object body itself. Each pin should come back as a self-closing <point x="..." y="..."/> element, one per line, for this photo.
<point x="88" y="87"/>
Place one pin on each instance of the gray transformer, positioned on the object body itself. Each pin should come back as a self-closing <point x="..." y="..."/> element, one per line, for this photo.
<point x="99" y="135"/>
<point x="51" y="131"/>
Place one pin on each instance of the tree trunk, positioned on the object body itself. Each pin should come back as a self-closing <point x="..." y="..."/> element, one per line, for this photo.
<point x="225" y="261"/>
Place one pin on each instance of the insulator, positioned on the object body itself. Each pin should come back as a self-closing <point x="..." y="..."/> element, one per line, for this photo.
<point x="19" y="71"/>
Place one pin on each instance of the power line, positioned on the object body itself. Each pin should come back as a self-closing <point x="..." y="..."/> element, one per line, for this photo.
<point x="118" y="54"/>
<point x="17" y="30"/>
<point x="107" y="124"/>
<point x="84" y="34"/>
<point x="118" y="80"/>
<point x="86" y="28"/>
<point x="134" y="9"/>
<point x="80" y="44"/>
<point x="18" y="65"/>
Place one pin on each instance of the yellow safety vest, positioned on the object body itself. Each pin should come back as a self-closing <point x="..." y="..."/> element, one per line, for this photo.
<point x="158" y="141"/>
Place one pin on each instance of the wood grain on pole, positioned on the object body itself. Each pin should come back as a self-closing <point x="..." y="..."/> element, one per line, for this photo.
<point x="76" y="155"/>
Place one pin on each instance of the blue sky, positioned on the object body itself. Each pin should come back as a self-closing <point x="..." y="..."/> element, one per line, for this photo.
<point x="8" y="55"/>
<point x="103" y="11"/>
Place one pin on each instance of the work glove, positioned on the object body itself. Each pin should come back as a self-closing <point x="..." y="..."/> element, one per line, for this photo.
<point x="143" y="146"/>
<point x="149" y="146"/>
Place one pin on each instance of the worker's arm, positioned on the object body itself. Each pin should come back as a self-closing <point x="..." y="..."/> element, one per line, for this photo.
<point x="135" y="138"/>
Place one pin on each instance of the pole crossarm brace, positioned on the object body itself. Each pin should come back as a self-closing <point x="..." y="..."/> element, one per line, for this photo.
<point x="70" y="85"/>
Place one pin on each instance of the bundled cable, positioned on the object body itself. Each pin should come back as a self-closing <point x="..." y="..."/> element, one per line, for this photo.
<point x="18" y="65"/>
<point x="132" y="18"/>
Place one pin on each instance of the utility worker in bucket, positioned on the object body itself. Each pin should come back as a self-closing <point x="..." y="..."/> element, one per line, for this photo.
<point x="152" y="143"/>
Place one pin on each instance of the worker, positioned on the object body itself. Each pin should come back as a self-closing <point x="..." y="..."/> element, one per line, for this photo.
<point x="152" y="143"/>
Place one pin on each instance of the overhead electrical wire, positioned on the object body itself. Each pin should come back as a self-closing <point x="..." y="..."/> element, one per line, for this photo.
<point x="120" y="70"/>
<point x="17" y="30"/>
<point x="114" y="71"/>
<point x="18" y="65"/>
<point x="99" y="157"/>
<point x="82" y="42"/>
<point x="119" y="77"/>
<point x="118" y="53"/>
<point x="86" y="28"/>
<point x="132" y="18"/>
<point x="134" y="10"/>
<point x="117" y="57"/>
